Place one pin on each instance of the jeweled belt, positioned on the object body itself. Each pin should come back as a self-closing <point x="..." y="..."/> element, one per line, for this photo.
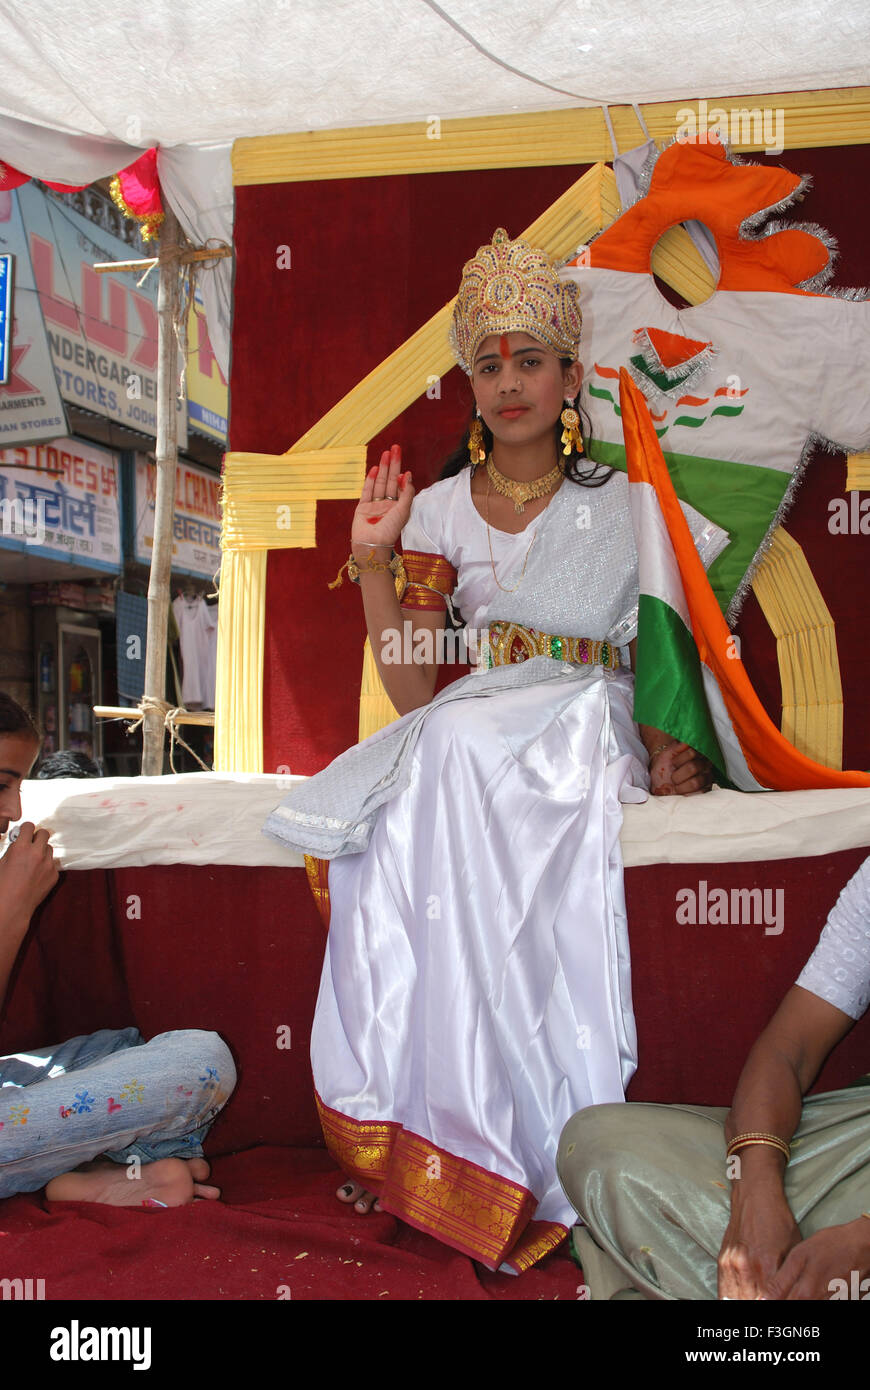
<point x="509" y="643"/>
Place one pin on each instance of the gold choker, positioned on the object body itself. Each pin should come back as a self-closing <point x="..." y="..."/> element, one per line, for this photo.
<point x="521" y="493"/>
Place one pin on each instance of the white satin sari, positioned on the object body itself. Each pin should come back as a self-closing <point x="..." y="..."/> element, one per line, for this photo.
<point x="476" y="987"/>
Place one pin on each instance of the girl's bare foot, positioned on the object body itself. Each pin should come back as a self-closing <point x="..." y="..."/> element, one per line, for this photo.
<point x="362" y="1200"/>
<point x="170" y="1182"/>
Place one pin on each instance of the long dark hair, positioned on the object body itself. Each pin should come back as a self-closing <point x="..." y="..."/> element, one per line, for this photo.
<point x="14" y="718"/>
<point x="595" y="475"/>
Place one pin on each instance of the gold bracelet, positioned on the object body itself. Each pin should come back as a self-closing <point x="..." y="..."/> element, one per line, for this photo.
<point x="742" y="1141"/>
<point x="354" y="569"/>
<point x="662" y="747"/>
<point x="369" y="565"/>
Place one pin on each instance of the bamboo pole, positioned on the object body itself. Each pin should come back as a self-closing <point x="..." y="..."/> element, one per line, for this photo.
<point x="204" y="717"/>
<point x="202" y="253"/>
<point x="164" y="506"/>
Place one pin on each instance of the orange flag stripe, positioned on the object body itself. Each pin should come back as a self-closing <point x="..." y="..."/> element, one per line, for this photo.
<point x="772" y="760"/>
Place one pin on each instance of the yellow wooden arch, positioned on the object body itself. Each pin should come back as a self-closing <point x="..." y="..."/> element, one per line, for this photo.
<point x="329" y="460"/>
<point x="806" y="650"/>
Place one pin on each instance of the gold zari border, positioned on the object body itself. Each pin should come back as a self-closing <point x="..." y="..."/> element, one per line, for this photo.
<point x="419" y="598"/>
<point x="458" y="1202"/>
<point x="540" y="1238"/>
<point x="361" y="1149"/>
<point x="317" y="871"/>
<point x="432" y="571"/>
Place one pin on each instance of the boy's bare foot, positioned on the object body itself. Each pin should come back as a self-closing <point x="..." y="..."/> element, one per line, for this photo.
<point x="170" y="1182"/>
<point x="362" y="1200"/>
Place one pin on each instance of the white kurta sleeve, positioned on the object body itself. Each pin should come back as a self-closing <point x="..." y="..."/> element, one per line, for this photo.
<point x="839" y="968"/>
<point x="431" y="576"/>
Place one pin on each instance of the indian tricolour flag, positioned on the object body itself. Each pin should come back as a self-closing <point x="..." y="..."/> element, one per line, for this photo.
<point x="690" y="681"/>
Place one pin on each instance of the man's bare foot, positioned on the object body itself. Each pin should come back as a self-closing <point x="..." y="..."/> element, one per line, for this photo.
<point x="362" y="1200"/>
<point x="170" y="1182"/>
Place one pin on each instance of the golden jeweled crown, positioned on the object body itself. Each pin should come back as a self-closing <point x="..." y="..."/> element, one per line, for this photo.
<point x="511" y="287"/>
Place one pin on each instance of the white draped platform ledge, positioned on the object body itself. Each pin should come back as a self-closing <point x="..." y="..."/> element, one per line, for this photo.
<point x="216" y="818"/>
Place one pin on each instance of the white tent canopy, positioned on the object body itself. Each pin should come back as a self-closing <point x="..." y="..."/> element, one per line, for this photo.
<point x="206" y="71"/>
<point x="83" y="91"/>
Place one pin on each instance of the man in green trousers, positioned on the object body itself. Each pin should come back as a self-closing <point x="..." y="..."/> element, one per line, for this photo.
<point x="651" y="1182"/>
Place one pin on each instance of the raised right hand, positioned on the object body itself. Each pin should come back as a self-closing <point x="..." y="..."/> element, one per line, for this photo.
<point x="28" y="872"/>
<point x="384" y="506"/>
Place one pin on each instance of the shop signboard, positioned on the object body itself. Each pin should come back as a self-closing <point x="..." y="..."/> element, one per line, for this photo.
<point x="206" y="385"/>
<point x="60" y="500"/>
<point x="197" y="524"/>
<point x="102" y="329"/>
<point x="30" y="403"/>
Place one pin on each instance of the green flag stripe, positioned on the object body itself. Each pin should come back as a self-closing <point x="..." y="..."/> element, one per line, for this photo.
<point x="665" y="381"/>
<point x="742" y="498"/>
<point x="668" y="688"/>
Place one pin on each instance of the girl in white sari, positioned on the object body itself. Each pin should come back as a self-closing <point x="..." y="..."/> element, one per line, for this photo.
<point x="476" y="992"/>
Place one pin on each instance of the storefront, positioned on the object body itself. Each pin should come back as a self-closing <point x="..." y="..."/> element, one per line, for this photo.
<point x="196" y="559"/>
<point x="77" y="415"/>
<point x="60" y="557"/>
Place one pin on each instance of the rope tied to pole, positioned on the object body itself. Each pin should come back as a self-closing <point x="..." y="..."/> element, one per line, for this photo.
<point x="171" y="724"/>
<point x="172" y="715"/>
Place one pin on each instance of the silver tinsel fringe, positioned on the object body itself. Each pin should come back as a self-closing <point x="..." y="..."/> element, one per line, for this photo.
<point x="781" y="513"/>
<point x="701" y="364"/>
<point x="813" y="442"/>
<point x="756" y="220"/>
<point x="860" y="293"/>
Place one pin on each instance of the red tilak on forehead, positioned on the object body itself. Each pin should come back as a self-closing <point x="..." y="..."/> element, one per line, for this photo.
<point x="504" y="346"/>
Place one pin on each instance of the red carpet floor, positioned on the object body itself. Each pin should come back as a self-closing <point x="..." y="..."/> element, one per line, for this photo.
<point x="278" y="1231"/>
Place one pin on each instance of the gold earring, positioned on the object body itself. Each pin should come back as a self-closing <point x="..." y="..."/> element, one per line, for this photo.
<point x="476" y="451"/>
<point x="571" y="436"/>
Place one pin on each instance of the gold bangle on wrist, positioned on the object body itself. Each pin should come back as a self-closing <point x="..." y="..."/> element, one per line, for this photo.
<point x="370" y="565"/>
<point x="662" y="748"/>
<point x="743" y="1141"/>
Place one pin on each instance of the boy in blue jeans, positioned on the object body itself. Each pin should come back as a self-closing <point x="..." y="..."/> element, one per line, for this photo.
<point x="106" y="1117"/>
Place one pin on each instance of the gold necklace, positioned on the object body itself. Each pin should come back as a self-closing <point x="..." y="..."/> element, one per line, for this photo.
<point x="514" y="588"/>
<point x="521" y="493"/>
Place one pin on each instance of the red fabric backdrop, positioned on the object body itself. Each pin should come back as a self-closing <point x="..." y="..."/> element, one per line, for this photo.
<point x="239" y="951"/>
<point x="371" y="259"/>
